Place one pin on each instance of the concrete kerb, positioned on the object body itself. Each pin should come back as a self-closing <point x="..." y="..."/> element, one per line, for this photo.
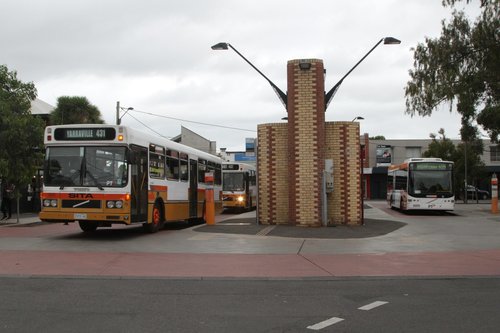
<point x="371" y="211"/>
<point x="24" y="219"/>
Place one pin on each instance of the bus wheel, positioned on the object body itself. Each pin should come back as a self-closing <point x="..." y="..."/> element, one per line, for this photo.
<point x="157" y="220"/>
<point x="88" y="226"/>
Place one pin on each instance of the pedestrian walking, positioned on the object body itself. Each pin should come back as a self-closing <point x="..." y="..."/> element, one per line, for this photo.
<point x="7" y="196"/>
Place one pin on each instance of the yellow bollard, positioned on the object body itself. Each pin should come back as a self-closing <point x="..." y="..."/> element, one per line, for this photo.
<point x="494" y="194"/>
<point x="209" y="199"/>
<point x="209" y="207"/>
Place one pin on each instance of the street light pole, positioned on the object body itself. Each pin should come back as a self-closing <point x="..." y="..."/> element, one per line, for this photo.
<point x="281" y="95"/>
<point x="329" y="95"/>
<point x="118" y="113"/>
<point x="118" y="109"/>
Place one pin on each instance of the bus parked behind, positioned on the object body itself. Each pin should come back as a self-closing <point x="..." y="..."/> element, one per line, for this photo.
<point x="239" y="189"/>
<point x="421" y="184"/>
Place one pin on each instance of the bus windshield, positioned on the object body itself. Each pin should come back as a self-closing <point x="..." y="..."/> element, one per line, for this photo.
<point x="430" y="182"/>
<point x="233" y="181"/>
<point x="86" y="166"/>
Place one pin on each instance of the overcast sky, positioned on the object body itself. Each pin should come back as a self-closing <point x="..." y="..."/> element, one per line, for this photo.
<point x="155" y="56"/>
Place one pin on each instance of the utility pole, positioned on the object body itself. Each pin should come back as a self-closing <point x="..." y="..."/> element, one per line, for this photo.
<point x="118" y="113"/>
<point x="465" y="164"/>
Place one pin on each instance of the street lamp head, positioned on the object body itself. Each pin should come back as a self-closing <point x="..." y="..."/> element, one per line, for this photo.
<point x="220" y="46"/>
<point x="358" y="118"/>
<point x="391" y="40"/>
<point x="224" y="46"/>
<point x="329" y="95"/>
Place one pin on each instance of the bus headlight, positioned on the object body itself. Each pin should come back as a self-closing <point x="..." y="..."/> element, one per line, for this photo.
<point x="114" y="204"/>
<point x="240" y="199"/>
<point x="49" y="203"/>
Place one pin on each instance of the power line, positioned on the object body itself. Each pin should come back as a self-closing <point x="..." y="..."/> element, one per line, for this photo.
<point x="149" y="127"/>
<point x="191" y="121"/>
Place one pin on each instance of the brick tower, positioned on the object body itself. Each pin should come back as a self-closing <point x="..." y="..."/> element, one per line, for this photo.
<point x="291" y="158"/>
<point x="306" y="125"/>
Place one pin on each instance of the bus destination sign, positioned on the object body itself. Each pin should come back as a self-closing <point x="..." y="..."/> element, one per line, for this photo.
<point x="81" y="134"/>
<point x="230" y="167"/>
<point x="431" y="166"/>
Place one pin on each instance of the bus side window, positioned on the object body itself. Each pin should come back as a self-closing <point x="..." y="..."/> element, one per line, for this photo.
<point x="218" y="174"/>
<point x="172" y="164"/>
<point x="184" y="167"/>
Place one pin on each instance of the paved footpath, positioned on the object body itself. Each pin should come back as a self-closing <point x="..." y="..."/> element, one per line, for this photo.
<point x="466" y="243"/>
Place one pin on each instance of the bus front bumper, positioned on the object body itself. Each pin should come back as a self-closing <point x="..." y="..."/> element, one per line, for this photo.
<point x="62" y="217"/>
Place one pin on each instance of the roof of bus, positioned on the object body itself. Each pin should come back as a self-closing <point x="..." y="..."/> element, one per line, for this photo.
<point x="241" y="166"/>
<point x="131" y="136"/>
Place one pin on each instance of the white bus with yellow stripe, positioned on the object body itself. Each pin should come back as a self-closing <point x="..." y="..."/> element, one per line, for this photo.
<point x="239" y="190"/>
<point x="99" y="175"/>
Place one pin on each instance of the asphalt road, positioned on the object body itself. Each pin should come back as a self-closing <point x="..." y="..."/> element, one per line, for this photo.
<point x="62" y="304"/>
<point x="419" y="273"/>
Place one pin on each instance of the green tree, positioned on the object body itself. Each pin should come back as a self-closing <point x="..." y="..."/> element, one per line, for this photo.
<point x="444" y="148"/>
<point x="462" y="68"/>
<point x="377" y="137"/>
<point x="75" y="110"/>
<point x="21" y="134"/>
<point x="441" y="148"/>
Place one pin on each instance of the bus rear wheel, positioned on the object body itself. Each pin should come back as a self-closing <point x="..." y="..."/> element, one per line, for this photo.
<point x="88" y="226"/>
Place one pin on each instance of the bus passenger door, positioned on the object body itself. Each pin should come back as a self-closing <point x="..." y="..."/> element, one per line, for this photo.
<point x="139" y="184"/>
<point x="193" y="188"/>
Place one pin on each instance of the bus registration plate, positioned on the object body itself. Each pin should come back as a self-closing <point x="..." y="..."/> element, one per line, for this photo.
<point x="80" y="216"/>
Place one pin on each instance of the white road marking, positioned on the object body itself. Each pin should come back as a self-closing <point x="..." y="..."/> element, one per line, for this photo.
<point x="266" y="230"/>
<point x="325" y="323"/>
<point x="372" y="305"/>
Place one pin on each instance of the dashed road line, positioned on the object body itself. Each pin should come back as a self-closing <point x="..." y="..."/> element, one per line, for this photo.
<point x="334" y="320"/>
<point x="325" y="323"/>
<point x="373" y="305"/>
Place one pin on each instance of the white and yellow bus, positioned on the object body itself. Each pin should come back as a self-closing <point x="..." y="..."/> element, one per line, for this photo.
<point x="421" y="184"/>
<point x="239" y="189"/>
<point x="99" y="175"/>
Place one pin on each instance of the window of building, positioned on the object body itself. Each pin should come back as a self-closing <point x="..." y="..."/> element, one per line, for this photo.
<point x="495" y="153"/>
<point x="413" y="152"/>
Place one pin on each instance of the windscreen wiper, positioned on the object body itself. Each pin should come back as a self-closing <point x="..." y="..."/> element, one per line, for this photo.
<point x="95" y="180"/>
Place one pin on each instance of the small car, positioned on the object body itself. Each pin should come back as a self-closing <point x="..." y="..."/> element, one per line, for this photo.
<point x="475" y="193"/>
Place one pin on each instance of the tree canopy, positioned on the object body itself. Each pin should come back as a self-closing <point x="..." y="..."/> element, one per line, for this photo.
<point x="464" y="152"/>
<point x="461" y="67"/>
<point x="21" y="134"/>
<point x="75" y="110"/>
<point x="377" y="137"/>
<point x="441" y="147"/>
